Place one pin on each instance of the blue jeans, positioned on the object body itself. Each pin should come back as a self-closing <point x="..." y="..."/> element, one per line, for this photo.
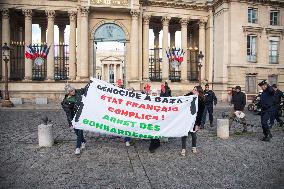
<point x="80" y="137"/>
<point x="127" y="139"/>
<point x="209" y="109"/>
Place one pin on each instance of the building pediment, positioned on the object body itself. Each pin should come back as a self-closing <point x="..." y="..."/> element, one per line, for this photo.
<point x="111" y="59"/>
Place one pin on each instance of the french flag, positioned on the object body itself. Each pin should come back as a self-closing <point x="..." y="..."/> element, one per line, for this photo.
<point x="45" y="52"/>
<point x="29" y="53"/>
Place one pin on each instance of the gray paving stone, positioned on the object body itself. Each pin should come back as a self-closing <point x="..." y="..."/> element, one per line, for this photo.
<point x="242" y="161"/>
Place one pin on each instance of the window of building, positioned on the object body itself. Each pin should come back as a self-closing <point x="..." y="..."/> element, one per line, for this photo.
<point x="274" y="50"/>
<point x="272" y="79"/>
<point x="252" y="15"/>
<point x="274" y="18"/>
<point x="250" y="84"/>
<point x="251" y="48"/>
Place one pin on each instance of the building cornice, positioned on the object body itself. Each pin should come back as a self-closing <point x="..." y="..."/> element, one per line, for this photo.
<point x="217" y="3"/>
<point x="176" y="4"/>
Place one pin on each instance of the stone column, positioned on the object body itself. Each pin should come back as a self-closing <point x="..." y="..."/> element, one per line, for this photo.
<point x="84" y="44"/>
<point x="61" y="28"/>
<point x="103" y="71"/>
<point x="5" y="37"/>
<point x="133" y="66"/>
<point x="156" y="45"/>
<point x="165" y="64"/>
<point x="61" y="32"/>
<point x="114" y="73"/>
<point x="107" y="73"/>
<point x="50" y="41"/>
<point x="20" y="34"/>
<point x="78" y="62"/>
<point x="72" y="45"/>
<point x="202" y="24"/>
<point x="28" y="41"/>
<point x="43" y="33"/>
<point x="146" y="47"/>
<point x="183" y="23"/>
<point x="172" y="37"/>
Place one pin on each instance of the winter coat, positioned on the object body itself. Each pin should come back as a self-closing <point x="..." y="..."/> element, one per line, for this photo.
<point x="201" y="107"/>
<point x="239" y="101"/>
<point x="267" y="99"/>
<point x="210" y="98"/>
<point x="278" y="95"/>
<point x="71" y="104"/>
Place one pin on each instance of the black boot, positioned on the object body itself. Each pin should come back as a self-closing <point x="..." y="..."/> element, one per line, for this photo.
<point x="211" y="124"/>
<point x="269" y="134"/>
<point x="266" y="139"/>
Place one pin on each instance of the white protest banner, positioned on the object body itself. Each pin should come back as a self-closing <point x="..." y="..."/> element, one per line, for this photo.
<point x="111" y="110"/>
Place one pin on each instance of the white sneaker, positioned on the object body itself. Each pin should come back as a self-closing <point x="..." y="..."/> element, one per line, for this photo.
<point x="127" y="143"/>
<point x="77" y="151"/>
<point x="182" y="152"/>
<point x="83" y="145"/>
<point x="194" y="151"/>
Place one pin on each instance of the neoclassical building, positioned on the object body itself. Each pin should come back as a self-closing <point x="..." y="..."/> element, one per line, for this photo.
<point x="241" y="42"/>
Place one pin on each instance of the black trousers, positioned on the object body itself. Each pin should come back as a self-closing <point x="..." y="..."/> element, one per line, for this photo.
<point x="276" y="116"/>
<point x="193" y="137"/>
<point x="265" y="116"/>
<point x="80" y="137"/>
<point x="154" y="144"/>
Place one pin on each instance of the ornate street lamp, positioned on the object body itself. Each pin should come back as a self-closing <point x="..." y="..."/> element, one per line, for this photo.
<point x="200" y="58"/>
<point x="6" y="55"/>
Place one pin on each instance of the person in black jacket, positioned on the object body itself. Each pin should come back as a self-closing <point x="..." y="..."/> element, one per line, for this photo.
<point x="278" y="95"/>
<point x="239" y="102"/>
<point x="201" y="105"/>
<point x="267" y="104"/>
<point x="210" y="99"/>
<point x="71" y="104"/>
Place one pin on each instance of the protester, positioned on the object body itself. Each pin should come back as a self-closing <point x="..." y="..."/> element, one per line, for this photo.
<point x="128" y="139"/>
<point x="165" y="90"/>
<point x="154" y="143"/>
<point x="197" y="90"/>
<point x="267" y="108"/>
<point x="239" y="102"/>
<point x="210" y="99"/>
<point x="70" y="105"/>
<point x="230" y="95"/>
<point x="278" y="95"/>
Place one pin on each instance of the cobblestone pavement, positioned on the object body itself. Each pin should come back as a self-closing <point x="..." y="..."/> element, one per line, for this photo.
<point x="242" y="161"/>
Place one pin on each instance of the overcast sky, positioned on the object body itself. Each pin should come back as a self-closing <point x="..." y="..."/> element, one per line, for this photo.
<point x="101" y="46"/>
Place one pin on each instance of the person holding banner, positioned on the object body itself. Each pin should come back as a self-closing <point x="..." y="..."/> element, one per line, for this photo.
<point x="155" y="143"/>
<point x="197" y="90"/>
<point x="127" y="139"/>
<point x="70" y="105"/>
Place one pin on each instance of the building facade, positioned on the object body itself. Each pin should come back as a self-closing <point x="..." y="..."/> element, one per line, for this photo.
<point x="241" y="42"/>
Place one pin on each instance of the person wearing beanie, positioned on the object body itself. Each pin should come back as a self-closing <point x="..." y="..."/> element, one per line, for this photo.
<point x="70" y="104"/>
<point x="267" y="108"/>
<point x="239" y="102"/>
